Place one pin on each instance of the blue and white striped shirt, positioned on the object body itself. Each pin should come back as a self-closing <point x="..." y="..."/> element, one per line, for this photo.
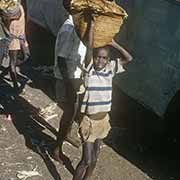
<point x="98" y="95"/>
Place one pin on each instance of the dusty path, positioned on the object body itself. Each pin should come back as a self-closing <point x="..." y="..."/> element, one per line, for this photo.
<point x="25" y="143"/>
<point x="20" y="139"/>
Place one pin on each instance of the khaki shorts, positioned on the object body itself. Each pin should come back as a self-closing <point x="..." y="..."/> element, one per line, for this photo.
<point x="90" y="129"/>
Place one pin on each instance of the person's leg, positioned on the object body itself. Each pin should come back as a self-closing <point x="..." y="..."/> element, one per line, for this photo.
<point x="85" y="162"/>
<point x="97" y="146"/>
<point x="12" y="64"/>
<point x="60" y="92"/>
<point x="73" y="99"/>
<point x="65" y="122"/>
<point x="68" y="107"/>
<point x="94" y="156"/>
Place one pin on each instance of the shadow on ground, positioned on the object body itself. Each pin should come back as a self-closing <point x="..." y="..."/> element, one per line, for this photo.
<point x="149" y="142"/>
<point x="29" y="124"/>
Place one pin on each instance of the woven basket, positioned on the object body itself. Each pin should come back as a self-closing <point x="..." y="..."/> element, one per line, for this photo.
<point x="107" y="24"/>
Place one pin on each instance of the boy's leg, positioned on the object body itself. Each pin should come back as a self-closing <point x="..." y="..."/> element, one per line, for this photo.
<point x="85" y="163"/>
<point x="94" y="155"/>
<point x="97" y="146"/>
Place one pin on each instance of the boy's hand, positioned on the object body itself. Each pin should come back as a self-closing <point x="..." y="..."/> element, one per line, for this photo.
<point x="124" y="53"/>
<point x="112" y="43"/>
<point x="93" y="17"/>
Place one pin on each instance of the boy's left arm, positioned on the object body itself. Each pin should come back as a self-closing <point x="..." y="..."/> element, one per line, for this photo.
<point x="125" y="55"/>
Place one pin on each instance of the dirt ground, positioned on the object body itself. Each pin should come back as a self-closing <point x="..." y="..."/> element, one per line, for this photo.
<point x="130" y="152"/>
<point x="25" y="142"/>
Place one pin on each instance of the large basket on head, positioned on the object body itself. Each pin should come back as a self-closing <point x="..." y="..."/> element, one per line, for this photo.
<point x="108" y="22"/>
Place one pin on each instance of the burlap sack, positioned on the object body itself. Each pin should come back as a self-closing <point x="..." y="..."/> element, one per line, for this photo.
<point x="108" y="23"/>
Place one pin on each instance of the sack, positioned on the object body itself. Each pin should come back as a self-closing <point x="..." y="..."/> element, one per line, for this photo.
<point x="108" y="23"/>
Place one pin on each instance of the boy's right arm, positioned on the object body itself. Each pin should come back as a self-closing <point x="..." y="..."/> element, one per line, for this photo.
<point x="89" y="53"/>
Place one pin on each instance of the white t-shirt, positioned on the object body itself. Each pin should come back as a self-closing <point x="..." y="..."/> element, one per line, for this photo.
<point x="69" y="46"/>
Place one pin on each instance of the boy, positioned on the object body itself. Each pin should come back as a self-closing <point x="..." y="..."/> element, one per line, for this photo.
<point x="99" y="72"/>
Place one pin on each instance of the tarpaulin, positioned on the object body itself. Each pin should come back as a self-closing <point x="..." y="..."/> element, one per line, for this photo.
<point x="50" y="14"/>
<point x="153" y="37"/>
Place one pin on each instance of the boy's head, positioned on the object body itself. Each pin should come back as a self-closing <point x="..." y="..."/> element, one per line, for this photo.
<point x="100" y="57"/>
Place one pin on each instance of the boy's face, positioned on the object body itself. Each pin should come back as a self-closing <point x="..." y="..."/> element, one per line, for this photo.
<point x="101" y="59"/>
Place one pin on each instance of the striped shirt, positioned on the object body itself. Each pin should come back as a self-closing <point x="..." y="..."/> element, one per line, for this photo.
<point x="98" y="95"/>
